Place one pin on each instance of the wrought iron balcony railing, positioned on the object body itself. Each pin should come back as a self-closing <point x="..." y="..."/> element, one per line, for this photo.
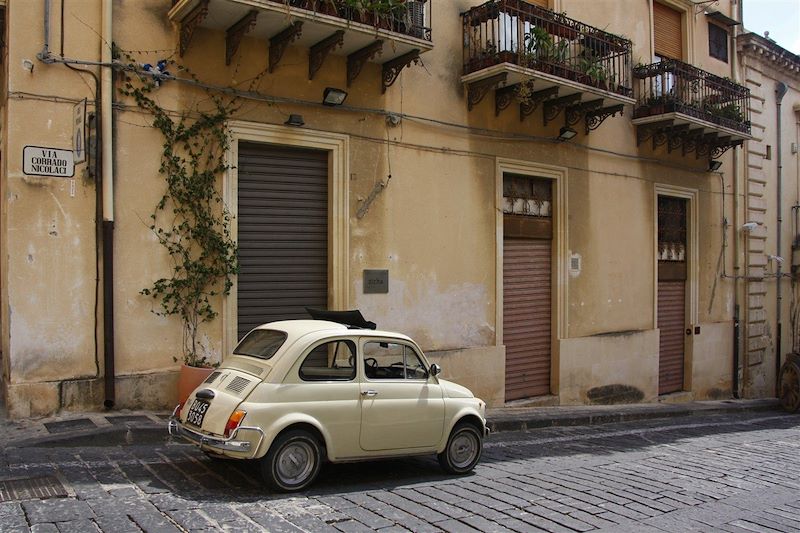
<point x="517" y="32"/>
<point x="672" y="86"/>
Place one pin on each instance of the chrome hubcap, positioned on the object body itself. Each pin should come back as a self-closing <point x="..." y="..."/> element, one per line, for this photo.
<point x="295" y="463"/>
<point x="463" y="449"/>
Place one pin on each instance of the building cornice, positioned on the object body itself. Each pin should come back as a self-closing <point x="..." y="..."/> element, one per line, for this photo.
<point x="762" y="49"/>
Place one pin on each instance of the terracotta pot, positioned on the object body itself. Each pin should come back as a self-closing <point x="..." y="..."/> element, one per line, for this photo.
<point x="189" y="379"/>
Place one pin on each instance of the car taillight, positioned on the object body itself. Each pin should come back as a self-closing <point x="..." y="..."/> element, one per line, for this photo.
<point x="233" y="422"/>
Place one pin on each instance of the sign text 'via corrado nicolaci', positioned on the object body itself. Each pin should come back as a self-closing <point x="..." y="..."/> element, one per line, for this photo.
<point x="41" y="161"/>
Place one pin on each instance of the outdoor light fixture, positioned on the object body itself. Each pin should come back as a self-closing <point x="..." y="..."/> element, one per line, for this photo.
<point x="295" y="120"/>
<point x="714" y="165"/>
<point x="566" y="134"/>
<point x="333" y="96"/>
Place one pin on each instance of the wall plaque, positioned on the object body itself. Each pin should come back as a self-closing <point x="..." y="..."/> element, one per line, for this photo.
<point x="376" y="281"/>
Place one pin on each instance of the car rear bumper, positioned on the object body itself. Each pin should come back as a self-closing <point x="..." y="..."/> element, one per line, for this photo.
<point x="219" y="445"/>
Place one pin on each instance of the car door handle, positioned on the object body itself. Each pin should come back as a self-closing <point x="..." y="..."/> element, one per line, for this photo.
<point x="369" y="393"/>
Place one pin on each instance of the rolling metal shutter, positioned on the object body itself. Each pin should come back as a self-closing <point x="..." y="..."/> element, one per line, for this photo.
<point x="526" y="316"/>
<point x="283" y="233"/>
<point x="668" y="31"/>
<point x="671" y="325"/>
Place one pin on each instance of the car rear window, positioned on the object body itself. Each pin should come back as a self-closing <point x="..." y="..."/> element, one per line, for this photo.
<point x="261" y="343"/>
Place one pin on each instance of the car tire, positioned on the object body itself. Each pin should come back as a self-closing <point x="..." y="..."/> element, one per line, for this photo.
<point x="292" y="462"/>
<point x="463" y="450"/>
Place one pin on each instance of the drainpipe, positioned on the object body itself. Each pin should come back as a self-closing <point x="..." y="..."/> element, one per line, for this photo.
<point x="780" y="91"/>
<point x="106" y="126"/>
<point x="44" y="55"/>
<point x="737" y="335"/>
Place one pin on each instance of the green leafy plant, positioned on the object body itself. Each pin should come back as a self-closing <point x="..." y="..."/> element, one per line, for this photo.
<point x="190" y="220"/>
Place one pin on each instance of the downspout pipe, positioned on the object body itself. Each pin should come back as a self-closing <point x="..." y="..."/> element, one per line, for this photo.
<point x="780" y="91"/>
<point x="106" y="126"/>
<point x="44" y="55"/>
<point x="737" y="330"/>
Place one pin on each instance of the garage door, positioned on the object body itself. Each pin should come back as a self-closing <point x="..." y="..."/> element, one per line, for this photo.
<point x="671" y="326"/>
<point x="526" y="316"/>
<point x="282" y="233"/>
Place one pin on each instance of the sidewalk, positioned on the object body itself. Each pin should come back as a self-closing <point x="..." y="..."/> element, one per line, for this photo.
<point x="119" y="428"/>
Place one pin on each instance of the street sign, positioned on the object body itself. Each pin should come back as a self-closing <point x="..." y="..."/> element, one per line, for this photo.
<point x="41" y="161"/>
<point x="79" y="131"/>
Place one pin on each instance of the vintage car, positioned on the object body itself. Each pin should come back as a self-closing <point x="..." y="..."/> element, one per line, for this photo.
<point x="298" y="392"/>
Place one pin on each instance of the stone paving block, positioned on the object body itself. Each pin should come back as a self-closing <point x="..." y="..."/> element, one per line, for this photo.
<point x="447" y="509"/>
<point x="416" y="509"/>
<point x="367" y="517"/>
<point x="149" y="520"/>
<point x="57" y="510"/>
<point x="454" y="526"/>
<point x="482" y="524"/>
<point x="477" y="499"/>
<point x="189" y="519"/>
<point x="40" y="528"/>
<point x="353" y="526"/>
<point x="117" y="524"/>
<point x="10" y="521"/>
<point x="170" y="502"/>
<point x="77" y="526"/>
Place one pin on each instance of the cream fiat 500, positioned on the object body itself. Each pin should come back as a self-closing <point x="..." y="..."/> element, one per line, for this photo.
<point x="296" y="393"/>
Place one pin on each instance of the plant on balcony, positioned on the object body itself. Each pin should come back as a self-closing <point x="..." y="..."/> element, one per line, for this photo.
<point x="730" y="111"/>
<point x="540" y="46"/>
<point x="190" y="220"/>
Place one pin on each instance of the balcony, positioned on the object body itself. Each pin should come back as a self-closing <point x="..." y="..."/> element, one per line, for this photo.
<point x="393" y="33"/>
<point x="533" y="56"/>
<point x="685" y="107"/>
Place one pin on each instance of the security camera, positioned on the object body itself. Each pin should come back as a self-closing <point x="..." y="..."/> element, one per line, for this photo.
<point x="749" y="226"/>
<point x="776" y="258"/>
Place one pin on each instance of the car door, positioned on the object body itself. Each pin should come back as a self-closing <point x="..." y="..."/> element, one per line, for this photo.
<point x="401" y="403"/>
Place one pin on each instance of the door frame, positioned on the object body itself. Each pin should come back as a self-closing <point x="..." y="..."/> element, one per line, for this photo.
<point x="692" y="269"/>
<point x="338" y="148"/>
<point x="559" y="288"/>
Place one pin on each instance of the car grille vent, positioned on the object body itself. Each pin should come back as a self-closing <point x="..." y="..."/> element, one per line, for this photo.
<point x="214" y="375"/>
<point x="238" y="384"/>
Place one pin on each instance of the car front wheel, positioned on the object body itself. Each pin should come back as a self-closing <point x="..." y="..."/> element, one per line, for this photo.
<point x="463" y="449"/>
<point x="293" y="461"/>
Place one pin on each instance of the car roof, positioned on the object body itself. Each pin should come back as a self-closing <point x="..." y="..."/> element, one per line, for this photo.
<point x="295" y="329"/>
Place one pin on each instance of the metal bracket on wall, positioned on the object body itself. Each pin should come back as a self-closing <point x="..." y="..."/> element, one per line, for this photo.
<point x="503" y="97"/>
<point x="279" y="43"/>
<point x="393" y="68"/>
<point x="719" y="150"/>
<point x="690" y="140"/>
<point x="189" y="23"/>
<point x="235" y="34"/>
<point x="318" y="52"/>
<point x="645" y="132"/>
<point x="676" y="137"/>
<point x="529" y="105"/>
<point x="478" y="89"/>
<point x="705" y="144"/>
<point x="595" y="118"/>
<point x="574" y="113"/>
<point x="357" y="60"/>
<point x="552" y="108"/>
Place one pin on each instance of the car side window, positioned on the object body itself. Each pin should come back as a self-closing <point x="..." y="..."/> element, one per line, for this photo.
<point x="331" y="361"/>
<point x="390" y="360"/>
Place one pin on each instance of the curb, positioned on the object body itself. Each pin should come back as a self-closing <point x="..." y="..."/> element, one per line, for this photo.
<point x="539" y="420"/>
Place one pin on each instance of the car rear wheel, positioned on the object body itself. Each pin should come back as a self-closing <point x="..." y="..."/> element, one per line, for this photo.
<point x="463" y="449"/>
<point x="292" y="462"/>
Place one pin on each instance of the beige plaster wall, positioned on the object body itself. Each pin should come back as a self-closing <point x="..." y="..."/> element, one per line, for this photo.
<point x="433" y="226"/>
<point x="626" y="358"/>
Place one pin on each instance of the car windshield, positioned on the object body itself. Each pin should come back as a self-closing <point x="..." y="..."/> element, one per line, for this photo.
<point x="261" y="343"/>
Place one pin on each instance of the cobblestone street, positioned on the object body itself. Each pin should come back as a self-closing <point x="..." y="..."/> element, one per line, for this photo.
<point x="731" y="473"/>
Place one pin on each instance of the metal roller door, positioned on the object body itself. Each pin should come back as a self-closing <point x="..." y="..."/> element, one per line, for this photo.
<point x="526" y="316"/>
<point x="282" y="233"/>
<point x="671" y="325"/>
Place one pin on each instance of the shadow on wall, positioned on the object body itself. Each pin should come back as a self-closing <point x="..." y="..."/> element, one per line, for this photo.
<point x="614" y="394"/>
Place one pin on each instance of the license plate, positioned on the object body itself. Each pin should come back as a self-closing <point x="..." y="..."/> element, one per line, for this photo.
<point x="197" y="412"/>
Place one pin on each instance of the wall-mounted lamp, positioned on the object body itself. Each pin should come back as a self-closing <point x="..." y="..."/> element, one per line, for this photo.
<point x="333" y="96"/>
<point x="295" y="120"/>
<point x="714" y="164"/>
<point x="566" y="133"/>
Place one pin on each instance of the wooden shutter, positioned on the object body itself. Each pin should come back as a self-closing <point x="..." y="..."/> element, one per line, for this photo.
<point x="671" y="325"/>
<point x="668" y="30"/>
<point x="526" y="316"/>
<point x="283" y="233"/>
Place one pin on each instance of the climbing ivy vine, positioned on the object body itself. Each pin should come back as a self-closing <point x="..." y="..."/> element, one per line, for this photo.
<point x="190" y="220"/>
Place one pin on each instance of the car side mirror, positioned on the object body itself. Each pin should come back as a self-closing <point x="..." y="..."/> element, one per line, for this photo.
<point x="435" y="369"/>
